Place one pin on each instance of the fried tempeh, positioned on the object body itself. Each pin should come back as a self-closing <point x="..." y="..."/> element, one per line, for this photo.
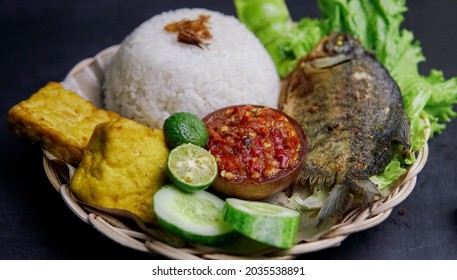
<point x="58" y="119"/>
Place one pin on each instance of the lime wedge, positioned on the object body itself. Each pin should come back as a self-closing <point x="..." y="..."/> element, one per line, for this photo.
<point x="191" y="168"/>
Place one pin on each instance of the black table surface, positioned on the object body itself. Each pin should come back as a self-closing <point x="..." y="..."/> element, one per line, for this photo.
<point x="42" y="39"/>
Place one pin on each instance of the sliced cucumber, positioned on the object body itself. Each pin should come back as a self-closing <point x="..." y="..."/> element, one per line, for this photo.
<point x="195" y="217"/>
<point x="264" y="222"/>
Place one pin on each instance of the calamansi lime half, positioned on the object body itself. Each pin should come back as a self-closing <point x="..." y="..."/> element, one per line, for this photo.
<point x="191" y="168"/>
<point x="182" y="128"/>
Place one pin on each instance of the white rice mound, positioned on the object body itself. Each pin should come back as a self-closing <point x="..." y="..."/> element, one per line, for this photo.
<point x="153" y="76"/>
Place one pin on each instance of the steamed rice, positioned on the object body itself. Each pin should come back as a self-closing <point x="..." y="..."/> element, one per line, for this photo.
<point x="152" y="75"/>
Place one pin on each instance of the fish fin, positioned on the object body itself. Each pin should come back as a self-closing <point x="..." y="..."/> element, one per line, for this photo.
<point x="338" y="201"/>
<point x="400" y="133"/>
<point x="315" y="177"/>
<point x="369" y="192"/>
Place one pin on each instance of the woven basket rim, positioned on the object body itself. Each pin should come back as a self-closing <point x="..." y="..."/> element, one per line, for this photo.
<point x="90" y="71"/>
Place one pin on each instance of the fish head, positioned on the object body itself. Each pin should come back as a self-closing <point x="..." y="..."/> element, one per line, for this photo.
<point x="333" y="50"/>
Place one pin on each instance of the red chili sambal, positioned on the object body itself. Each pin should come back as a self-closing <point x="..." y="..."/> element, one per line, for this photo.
<point x="251" y="142"/>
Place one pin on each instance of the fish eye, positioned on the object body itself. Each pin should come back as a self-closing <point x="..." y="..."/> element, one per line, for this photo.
<point x="339" y="44"/>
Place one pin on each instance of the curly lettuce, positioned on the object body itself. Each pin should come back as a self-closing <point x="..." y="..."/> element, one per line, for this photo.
<point x="377" y="24"/>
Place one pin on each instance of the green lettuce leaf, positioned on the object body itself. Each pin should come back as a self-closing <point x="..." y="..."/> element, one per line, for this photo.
<point x="284" y="39"/>
<point x="439" y="108"/>
<point x="290" y="47"/>
<point x="268" y="19"/>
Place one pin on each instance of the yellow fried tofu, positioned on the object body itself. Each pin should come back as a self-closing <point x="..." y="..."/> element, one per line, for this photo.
<point x="59" y="119"/>
<point x="123" y="166"/>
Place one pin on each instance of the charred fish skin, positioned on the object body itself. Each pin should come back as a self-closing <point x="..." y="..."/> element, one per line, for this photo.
<point x="352" y="113"/>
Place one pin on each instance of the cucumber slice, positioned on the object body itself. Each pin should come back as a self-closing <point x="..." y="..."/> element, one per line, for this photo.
<point x="264" y="222"/>
<point x="195" y="217"/>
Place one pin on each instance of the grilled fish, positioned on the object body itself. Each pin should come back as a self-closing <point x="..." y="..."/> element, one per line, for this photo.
<point x="352" y="113"/>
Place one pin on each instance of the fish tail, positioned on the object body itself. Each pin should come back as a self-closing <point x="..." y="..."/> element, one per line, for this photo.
<point x="342" y="196"/>
<point x="338" y="201"/>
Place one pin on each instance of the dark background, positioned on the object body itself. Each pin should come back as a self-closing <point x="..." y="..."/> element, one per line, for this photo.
<point x="41" y="40"/>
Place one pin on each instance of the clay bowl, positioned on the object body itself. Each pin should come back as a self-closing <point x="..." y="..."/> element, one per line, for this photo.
<point x="251" y="189"/>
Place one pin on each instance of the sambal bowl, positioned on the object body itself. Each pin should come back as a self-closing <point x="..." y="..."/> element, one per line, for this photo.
<point x="259" y="150"/>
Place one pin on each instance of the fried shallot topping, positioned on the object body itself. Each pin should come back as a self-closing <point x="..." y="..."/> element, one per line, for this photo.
<point x="192" y="32"/>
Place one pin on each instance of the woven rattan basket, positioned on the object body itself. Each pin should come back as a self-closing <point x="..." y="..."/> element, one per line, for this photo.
<point x="85" y="79"/>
